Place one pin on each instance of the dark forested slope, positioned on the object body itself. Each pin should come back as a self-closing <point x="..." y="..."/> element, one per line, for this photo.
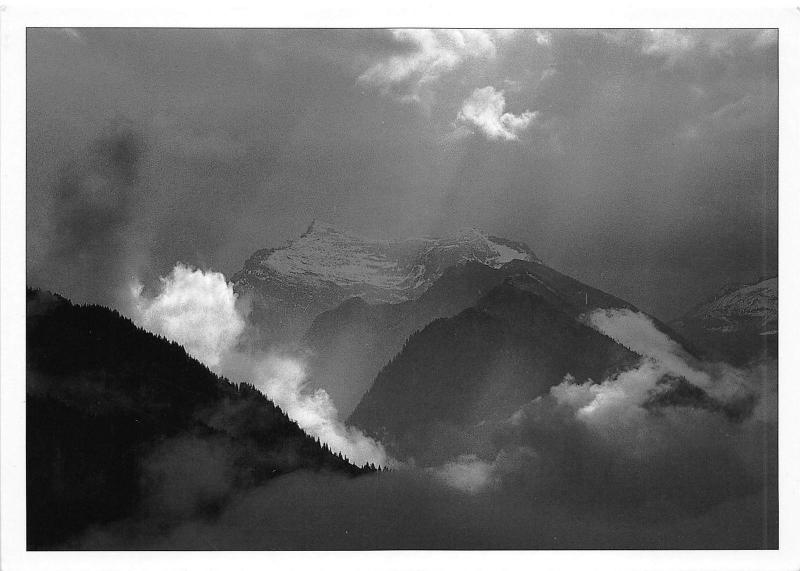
<point x="106" y="401"/>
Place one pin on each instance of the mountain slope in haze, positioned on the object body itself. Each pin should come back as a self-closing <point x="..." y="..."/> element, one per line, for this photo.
<point x="288" y="286"/>
<point x="114" y="413"/>
<point x="738" y="324"/>
<point x="351" y="343"/>
<point x="478" y="367"/>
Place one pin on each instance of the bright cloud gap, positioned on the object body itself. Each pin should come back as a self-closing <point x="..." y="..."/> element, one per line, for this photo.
<point x="484" y="110"/>
<point x="409" y="77"/>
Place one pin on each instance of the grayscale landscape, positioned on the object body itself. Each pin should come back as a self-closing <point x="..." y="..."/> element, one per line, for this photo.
<point x="359" y="289"/>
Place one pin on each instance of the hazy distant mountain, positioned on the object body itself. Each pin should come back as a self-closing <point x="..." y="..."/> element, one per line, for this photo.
<point x="292" y="284"/>
<point x="479" y="367"/>
<point x="109" y="405"/>
<point x="737" y="324"/>
<point x="352" y="342"/>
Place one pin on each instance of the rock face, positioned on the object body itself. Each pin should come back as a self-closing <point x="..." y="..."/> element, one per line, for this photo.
<point x="735" y="308"/>
<point x="738" y="324"/>
<point x="290" y="285"/>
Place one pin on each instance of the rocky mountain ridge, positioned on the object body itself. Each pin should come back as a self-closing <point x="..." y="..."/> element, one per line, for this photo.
<point x="738" y="324"/>
<point x="290" y="285"/>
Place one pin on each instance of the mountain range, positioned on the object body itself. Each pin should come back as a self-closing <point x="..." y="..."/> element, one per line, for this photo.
<point x="429" y="345"/>
<point x="454" y="335"/>
<point x="351" y="343"/>
<point x="290" y="285"/>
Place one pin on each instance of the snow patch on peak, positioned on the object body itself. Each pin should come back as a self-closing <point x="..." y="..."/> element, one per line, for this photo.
<point x="735" y="306"/>
<point x="506" y="254"/>
<point x="325" y="256"/>
<point x="755" y="300"/>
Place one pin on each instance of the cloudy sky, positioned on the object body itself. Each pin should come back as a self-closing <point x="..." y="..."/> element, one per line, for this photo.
<point x="643" y="162"/>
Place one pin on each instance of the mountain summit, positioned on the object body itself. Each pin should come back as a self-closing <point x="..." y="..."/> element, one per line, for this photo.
<point x="293" y="283"/>
<point x="738" y="324"/>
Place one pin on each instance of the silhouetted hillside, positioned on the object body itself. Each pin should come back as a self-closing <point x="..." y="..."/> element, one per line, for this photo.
<point x="107" y="401"/>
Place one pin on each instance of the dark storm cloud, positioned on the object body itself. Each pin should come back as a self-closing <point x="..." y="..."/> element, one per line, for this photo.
<point x="635" y="160"/>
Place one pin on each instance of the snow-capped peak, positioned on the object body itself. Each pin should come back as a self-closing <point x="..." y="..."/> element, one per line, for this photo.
<point x="379" y="270"/>
<point x="734" y="305"/>
<point x="755" y="300"/>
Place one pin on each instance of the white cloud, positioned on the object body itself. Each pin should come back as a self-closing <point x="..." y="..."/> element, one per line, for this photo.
<point x="616" y="409"/>
<point x="614" y="402"/>
<point x="484" y="109"/>
<point x="467" y="473"/>
<point x="194" y="308"/>
<point x="671" y="44"/>
<point x="283" y="380"/>
<point x="408" y="76"/>
<point x="199" y="310"/>
<point x="765" y="39"/>
<point x="732" y="43"/>
<point x="637" y="332"/>
<point x="74" y="35"/>
<point x="472" y="475"/>
<point x="662" y="355"/>
<point x="543" y="38"/>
